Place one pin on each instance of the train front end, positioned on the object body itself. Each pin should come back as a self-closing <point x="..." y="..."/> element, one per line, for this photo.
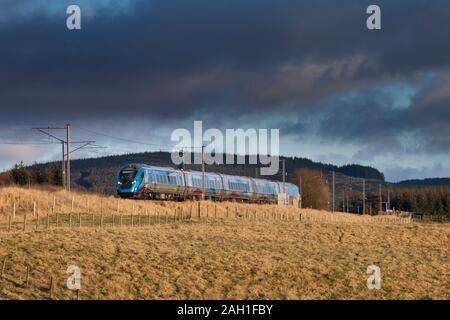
<point x="129" y="180"/>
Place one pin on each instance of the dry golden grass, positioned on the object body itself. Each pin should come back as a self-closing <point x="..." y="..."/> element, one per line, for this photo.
<point x="61" y="202"/>
<point x="234" y="258"/>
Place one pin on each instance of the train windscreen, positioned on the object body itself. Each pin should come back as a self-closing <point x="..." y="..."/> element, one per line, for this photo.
<point x="127" y="177"/>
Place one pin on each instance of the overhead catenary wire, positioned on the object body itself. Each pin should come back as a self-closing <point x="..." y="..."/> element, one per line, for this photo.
<point x="130" y="140"/>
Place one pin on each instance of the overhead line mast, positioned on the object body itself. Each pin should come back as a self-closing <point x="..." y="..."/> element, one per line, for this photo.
<point x="66" y="152"/>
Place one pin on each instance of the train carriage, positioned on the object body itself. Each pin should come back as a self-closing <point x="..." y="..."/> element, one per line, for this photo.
<point x="265" y="191"/>
<point x="237" y="188"/>
<point x="194" y="185"/>
<point x="164" y="183"/>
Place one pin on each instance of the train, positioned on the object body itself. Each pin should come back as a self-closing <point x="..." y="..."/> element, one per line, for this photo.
<point x="140" y="181"/>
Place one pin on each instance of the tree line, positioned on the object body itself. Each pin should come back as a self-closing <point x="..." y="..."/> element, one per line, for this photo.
<point x="34" y="175"/>
<point x="317" y="194"/>
<point x="427" y="200"/>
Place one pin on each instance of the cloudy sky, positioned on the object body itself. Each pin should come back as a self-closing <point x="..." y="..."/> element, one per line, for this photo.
<point x="338" y="92"/>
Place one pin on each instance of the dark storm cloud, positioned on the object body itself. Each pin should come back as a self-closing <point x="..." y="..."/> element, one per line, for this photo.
<point x="366" y="117"/>
<point x="177" y="59"/>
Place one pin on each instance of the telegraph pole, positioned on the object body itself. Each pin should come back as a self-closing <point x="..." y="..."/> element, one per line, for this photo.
<point x="68" y="157"/>
<point x="334" y="190"/>
<point x="65" y="144"/>
<point x="63" y="166"/>
<point x="381" y="199"/>
<point x="300" y="190"/>
<point x="284" y="180"/>
<point x="203" y="174"/>
<point x="388" y="204"/>
<point x="364" y="196"/>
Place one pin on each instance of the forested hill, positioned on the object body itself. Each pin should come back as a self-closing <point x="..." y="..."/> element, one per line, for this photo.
<point x="164" y="159"/>
<point x="425" y="182"/>
<point x="99" y="173"/>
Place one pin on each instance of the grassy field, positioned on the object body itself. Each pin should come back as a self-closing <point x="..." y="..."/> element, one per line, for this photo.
<point x="231" y="258"/>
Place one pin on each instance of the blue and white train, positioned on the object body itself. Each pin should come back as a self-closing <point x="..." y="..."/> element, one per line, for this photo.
<point x="151" y="182"/>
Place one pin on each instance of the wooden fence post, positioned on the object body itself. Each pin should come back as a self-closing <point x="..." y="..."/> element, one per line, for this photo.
<point x="79" y="220"/>
<point x="51" y="287"/>
<point x="27" y="279"/>
<point x="14" y="211"/>
<point x="215" y="211"/>
<point x="101" y="221"/>
<point x="199" y="210"/>
<point x="121" y="220"/>
<point x="3" y="267"/>
<point x="70" y="219"/>
<point x="34" y="209"/>
<point x="73" y="202"/>
<point x="227" y="211"/>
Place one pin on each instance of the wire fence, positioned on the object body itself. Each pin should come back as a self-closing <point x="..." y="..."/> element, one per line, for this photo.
<point x="27" y="277"/>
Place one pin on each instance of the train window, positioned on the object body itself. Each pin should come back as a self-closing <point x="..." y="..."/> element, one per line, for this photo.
<point x="161" y="177"/>
<point x="196" y="182"/>
<point x="172" y="178"/>
<point x="148" y="177"/>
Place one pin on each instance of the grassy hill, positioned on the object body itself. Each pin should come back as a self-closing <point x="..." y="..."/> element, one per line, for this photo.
<point x="320" y="256"/>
